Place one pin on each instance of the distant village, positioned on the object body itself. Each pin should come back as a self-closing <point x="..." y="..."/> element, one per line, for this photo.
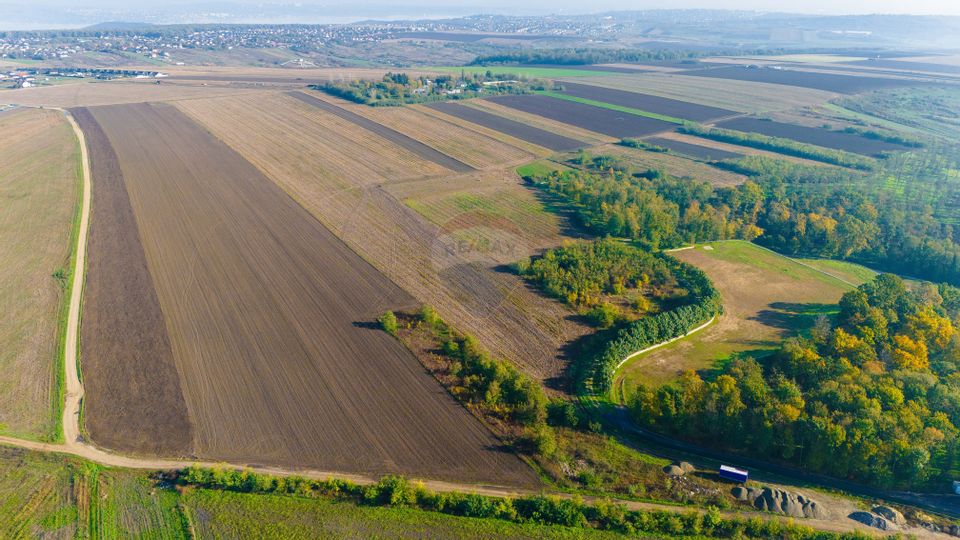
<point x="27" y="77"/>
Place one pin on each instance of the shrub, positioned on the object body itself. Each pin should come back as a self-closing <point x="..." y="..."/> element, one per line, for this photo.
<point x="388" y="322"/>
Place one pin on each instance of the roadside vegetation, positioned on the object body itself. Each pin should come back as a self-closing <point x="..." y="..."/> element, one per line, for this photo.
<point x="401" y="88"/>
<point x="871" y="395"/>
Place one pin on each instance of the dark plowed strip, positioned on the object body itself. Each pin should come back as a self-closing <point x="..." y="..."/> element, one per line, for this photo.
<point x="695" y="150"/>
<point x="513" y="128"/>
<point x="849" y="142"/>
<point x="646" y="102"/>
<point x="413" y="145"/>
<point x="830" y="82"/>
<point x="133" y="401"/>
<point x="596" y="119"/>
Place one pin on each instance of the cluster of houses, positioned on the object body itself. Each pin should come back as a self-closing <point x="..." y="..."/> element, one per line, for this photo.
<point x="27" y="77"/>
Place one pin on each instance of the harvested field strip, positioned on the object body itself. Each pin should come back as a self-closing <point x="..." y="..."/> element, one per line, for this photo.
<point x="39" y="190"/>
<point x="608" y="122"/>
<point x="694" y="150"/>
<point x="133" y="399"/>
<point x="848" y="142"/>
<point x="646" y="102"/>
<point x="392" y="135"/>
<point x="539" y="122"/>
<point x="349" y="154"/>
<point x="268" y="316"/>
<point x="733" y="148"/>
<point x="530" y="148"/>
<point x="612" y="107"/>
<point x="830" y="82"/>
<point x="469" y="146"/>
<point x="741" y="96"/>
<point x="520" y="130"/>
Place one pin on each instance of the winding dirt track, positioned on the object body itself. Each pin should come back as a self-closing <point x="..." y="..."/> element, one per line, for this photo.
<point x="75" y="445"/>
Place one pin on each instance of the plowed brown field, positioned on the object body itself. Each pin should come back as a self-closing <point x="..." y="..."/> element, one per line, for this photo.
<point x="268" y="317"/>
<point x="427" y="260"/>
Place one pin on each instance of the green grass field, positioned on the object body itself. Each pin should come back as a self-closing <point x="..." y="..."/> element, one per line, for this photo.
<point x="53" y="496"/>
<point x="542" y="167"/>
<point x="766" y="297"/>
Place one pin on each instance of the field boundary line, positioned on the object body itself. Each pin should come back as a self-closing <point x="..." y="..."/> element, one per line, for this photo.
<point x="664" y="343"/>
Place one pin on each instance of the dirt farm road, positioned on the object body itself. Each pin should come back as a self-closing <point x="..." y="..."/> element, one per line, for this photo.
<point x="75" y="445"/>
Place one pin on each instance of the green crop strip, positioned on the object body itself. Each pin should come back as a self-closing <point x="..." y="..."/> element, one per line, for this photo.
<point x="612" y="107"/>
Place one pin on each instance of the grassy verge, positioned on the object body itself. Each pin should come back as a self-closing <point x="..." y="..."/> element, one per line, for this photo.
<point x="524" y="71"/>
<point x="612" y="107"/>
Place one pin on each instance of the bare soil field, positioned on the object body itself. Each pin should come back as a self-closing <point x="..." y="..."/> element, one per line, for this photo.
<point x="113" y="92"/>
<point x="463" y="283"/>
<point x="741" y="96"/>
<point x="694" y="150"/>
<point x="908" y="65"/>
<point x="39" y="190"/>
<point x="671" y="164"/>
<point x="755" y="319"/>
<point x="830" y="82"/>
<point x="133" y="401"/>
<point x="539" y="122"/>
<point x="849" y="142"/>
<point x="606" y="121"/>
<point x="646" y="102"/>
<point x="468" y="146"/>
<point x="513" y="128"/>
<point x="346" y="154"/>
<point x="269" y="317"/>
<point x="394" y="136"/>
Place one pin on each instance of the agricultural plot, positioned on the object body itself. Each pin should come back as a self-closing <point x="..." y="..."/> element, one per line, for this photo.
<point x="268" y="317"/>
<point x="346" y="155"/>
<point x="646" y="102"/>
<point x="766" y="297"/>
<point x="737" y="149"/>
<point x="498" y="214"/>
<point x="413" y="145"/>
<point x="513" y="128"/>
<point x="459" y="280"/>
<point x="694" y="150"/>
<point x="830" y="82"/>
<point x="908" y="65"/>
<point x="113" y="92"/>
<point x="39" y="188"/>
<point x="605" y="121"/>
<point x="848" y="142"/>
<point x="740" y="96"/>
<point x="470" y="147"/>
<point x="539" y="122"/>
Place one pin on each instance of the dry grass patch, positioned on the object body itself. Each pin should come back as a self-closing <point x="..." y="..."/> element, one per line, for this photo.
<point x="745" y="150"/>
<point x="114" y="92"/>
<point x="39" y="188"/>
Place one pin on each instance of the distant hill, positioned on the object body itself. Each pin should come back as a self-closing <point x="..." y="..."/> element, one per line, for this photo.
<point x="119" y="26"/>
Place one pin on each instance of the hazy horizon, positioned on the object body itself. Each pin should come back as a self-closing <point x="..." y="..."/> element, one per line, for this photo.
<point x="64" y="14"/>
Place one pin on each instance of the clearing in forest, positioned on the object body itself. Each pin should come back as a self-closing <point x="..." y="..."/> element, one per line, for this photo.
<point x="766" y="297"/>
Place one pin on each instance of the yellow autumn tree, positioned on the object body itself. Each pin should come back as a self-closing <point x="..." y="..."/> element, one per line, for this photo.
<point x="910" y="354"/>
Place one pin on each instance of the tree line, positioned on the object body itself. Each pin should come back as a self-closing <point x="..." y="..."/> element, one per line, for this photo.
<point x="873" y="395"/>
<point x="398" y="492"/>
<point x="797" y="209"/>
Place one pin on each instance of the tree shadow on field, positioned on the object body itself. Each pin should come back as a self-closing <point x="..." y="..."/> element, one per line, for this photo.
<point x="569" y="222"/>
<point x="367" y="325"/>
<point x="792" y="315"/>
